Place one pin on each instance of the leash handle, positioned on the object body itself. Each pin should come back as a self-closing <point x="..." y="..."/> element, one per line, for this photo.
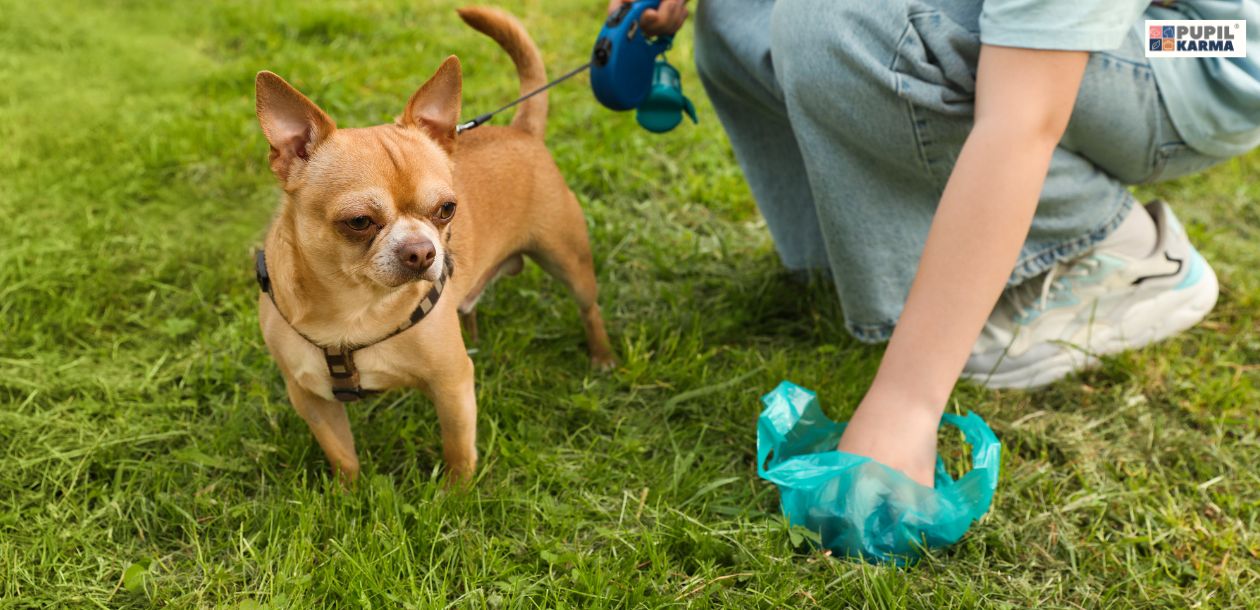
<point x="623" y="59"/>
<point x="623" y="65"/>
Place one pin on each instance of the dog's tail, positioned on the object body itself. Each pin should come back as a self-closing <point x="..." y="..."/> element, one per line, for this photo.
<point x="531" y="115"/>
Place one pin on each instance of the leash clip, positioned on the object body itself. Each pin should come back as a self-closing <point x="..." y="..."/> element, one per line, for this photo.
<point x="473" y="123"/>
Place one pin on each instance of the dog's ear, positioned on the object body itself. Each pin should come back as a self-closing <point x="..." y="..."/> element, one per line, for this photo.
<point x="293" y="124"/>
<point x="435" y="106"/>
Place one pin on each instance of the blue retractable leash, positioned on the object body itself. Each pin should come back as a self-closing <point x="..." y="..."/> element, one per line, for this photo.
<point x="628" y="71"/>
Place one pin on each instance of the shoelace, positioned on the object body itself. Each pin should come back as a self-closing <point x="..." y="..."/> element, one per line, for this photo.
<point x="1028" y="297"/>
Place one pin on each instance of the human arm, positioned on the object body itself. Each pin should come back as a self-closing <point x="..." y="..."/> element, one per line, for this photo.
<point x="1024" y="98"/>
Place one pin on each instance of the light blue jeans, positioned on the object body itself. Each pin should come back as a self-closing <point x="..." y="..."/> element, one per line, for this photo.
<point x="847" y="118"/>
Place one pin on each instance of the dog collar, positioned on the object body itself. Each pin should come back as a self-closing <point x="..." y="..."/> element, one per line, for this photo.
<point x="340" y="358"/>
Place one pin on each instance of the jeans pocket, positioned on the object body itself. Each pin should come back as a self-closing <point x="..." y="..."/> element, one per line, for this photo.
<point x="1177" y="159"/>
<point x="934" y="71"/>
<point x="935" y="64"/>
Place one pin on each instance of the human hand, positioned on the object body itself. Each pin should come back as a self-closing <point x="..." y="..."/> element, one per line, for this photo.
<point x="892" y="432"/>
<point x="667" y="18"/>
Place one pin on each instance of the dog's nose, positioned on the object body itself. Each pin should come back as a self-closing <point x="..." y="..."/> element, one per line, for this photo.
<point x="417" y="255"/>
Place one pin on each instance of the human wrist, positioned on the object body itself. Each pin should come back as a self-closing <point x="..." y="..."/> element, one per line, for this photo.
<point x="907" y="399"/>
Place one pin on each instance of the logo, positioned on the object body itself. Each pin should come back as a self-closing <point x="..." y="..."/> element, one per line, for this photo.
<point x="1196" y="38"/>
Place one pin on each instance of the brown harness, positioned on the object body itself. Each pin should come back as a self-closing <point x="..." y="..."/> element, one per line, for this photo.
<point x="340" y="358"/>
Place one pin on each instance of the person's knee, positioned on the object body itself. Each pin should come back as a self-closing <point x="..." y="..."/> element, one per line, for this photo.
<point x="717" y="37"/>
<point x="818" y="39"/>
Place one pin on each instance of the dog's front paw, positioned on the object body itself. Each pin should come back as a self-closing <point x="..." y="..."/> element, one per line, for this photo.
<point x="604" y="362"/>
<point x="459" y="474"/>
<point x="346" y="473"/>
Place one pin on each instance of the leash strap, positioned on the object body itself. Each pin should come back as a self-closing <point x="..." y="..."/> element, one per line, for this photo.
<point x="489" y="115"/>
<point x="340" y="358"/>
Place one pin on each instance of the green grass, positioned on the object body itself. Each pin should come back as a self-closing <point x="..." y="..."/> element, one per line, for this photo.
<point x="144" y="430"/>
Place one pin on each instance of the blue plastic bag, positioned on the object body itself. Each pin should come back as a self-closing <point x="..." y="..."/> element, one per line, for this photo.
<point x="860" y="507"/>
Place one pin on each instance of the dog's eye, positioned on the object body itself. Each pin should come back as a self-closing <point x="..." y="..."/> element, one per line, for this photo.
<point x="447" y="210"/>
<point x="359" y="223"/>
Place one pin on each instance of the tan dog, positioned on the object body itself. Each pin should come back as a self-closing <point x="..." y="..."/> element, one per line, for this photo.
<point x="373" y="218"/>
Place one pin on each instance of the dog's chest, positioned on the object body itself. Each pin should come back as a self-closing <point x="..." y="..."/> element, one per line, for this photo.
<point x="379" y="368"/>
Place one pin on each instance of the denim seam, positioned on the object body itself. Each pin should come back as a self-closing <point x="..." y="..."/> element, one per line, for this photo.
<point x="901" y="39"/>
<point x="1145" y="67"/>
<point x="877" y="332"/>
<point x="917" y="123"/>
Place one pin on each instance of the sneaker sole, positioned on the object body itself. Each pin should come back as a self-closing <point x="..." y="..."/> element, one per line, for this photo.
<point x="1148" y="322"/>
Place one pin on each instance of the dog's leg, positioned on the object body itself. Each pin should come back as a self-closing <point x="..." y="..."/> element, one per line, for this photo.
<point x="331" y="427"/>
<point x="468" y="308"/>
<point x="452" y="391"/>
<point x="469" y="320"/>
<point x="565" y="253"/>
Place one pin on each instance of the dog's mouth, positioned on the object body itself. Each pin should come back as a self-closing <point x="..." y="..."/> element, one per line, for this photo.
<point x="434" y="271"/>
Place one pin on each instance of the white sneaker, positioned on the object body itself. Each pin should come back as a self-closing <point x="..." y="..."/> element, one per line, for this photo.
<point x="1101" y="303"/>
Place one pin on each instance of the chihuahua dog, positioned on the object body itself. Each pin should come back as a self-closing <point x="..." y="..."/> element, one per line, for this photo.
<point x="387" y="235"/>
